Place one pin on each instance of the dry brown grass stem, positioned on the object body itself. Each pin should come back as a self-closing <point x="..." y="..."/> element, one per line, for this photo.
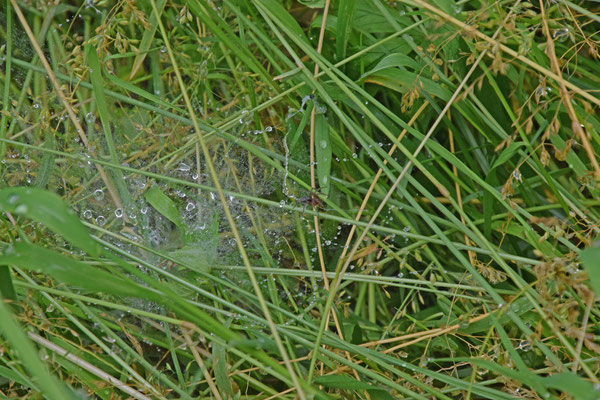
<point x="473" y="30"/>
<point x="566" y="96"/>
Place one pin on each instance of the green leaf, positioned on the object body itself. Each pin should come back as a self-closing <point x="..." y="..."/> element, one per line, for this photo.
<point x="47" y="164"/>
<point x="590" y="258"/>
<point x="49" y="209"/>
<point x="105" y="118"/>
<point x="275" y="7"/>
<point x="7" y="289"/>
<point x="341" y="382"/>
<point x="380" y="394"/>
<point x="147" y="38"/>
<point x="573" y="385"/>
<point x="369" y="19"/>
<point x="221" y="374"/>
<point x="402" y="81"/>
<point x="344" y="19"/>
<point x="16" y="377"/>
<point x="507" y="153"/>
<point x="323" y="153"/>
<point x="393" y="61"/>
<point x="71" y="271"/>
<point x="313" y="3"/>
<point x="164" y="205"/>
<point x="199" y="256"/>
<point x="28" y="355"/>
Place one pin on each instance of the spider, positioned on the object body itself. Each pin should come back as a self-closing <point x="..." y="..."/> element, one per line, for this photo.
<point x="312" y="200"/>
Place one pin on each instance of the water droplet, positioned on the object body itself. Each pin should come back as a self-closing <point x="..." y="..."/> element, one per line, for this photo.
<point x="21" y="209"/>
<point x="87" y="214"/>
<point x="190" y="206"/>
<point x="183" y="167"/>
<point x="100" y="220"/>
<point x="517" y="175"/>
<point x="269" y="129"/>
<point x="90" y="117"/>
<point x="99" y="194"/>
<point x="323" y="144"/>
<point x="118" y="213"/>
<point x="354" y="155"/>
<point x="144" y="210"/>
<point x="282" y="203"/>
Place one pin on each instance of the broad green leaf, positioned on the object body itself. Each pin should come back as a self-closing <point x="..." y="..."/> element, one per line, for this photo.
<point x="341" y="382"/>
<point x="380" y="394"/>
<point x="402" y="81"/>
<point x="590" y="258"/>
<point x="221" y="374"/>
<point x="7" y="289"/>
<point x="323" y="153"/>
<point x="50" y="210"/>
<point x="71" y="271"/>
<point x="164" y="205"/>
<point x="393" y="61"/>
<point x="573" y="385"/>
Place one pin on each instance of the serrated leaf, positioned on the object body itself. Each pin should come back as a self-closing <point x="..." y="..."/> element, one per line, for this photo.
<point x="50" y="210"/>
<point x="164" y="205"/>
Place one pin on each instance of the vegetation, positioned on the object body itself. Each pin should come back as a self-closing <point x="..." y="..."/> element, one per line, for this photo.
<point x="299" y="199"/>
